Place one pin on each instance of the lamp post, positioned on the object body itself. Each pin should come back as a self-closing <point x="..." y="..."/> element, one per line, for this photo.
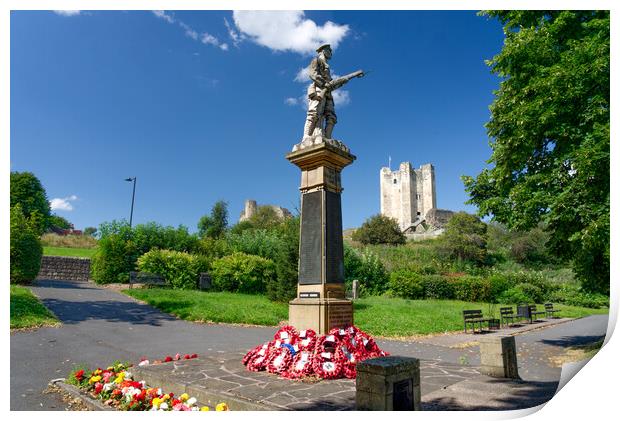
<point x="133" y="196"/>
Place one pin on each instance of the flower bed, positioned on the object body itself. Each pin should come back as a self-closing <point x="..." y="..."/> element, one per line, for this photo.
<point x="116" y="387"/>
<point x="293" y="355"/>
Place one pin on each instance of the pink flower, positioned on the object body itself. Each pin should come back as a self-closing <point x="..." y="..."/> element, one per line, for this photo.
<point x="181" y="407"/>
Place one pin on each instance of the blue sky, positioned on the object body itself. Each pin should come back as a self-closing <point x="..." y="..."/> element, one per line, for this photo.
<point x="203" y="105"/>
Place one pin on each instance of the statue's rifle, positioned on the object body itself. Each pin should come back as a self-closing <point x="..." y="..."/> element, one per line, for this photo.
<point x="342" y="80"/>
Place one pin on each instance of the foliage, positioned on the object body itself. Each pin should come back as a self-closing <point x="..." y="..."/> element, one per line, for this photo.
<point x="241" y="272"/>
<point x="92" y="231"/>
<point x="465" y="238"/>
<point x="57" y="222"/>
<point x="472" y="288"/>
<point x="574" y="295"/>
<point x="180" y="270"/>
<point x="437" y="287"/>
<point x="366" y="267"/>
<point x="265" y="218"/>
<point x="213" y="248"/>
<point x="550" y="134"/>
<point x="214" y="225"/>
<point x="28" y="192"/>
<point x="79" y="241"/>
<point x="120" y="246"/>
<point x="26" y="249"/>
<point x="27" y="311"/>
<point x="406" y="284"/>
<point x="379" y="229"/>
<point x="529" y="247"/>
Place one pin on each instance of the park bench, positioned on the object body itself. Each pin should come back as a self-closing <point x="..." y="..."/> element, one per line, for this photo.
<point x="145" y="278"/>
<point x="507" y="313"/>
<point x="549" y="310"/>
<point x="534" y="313"/>
<point x="474" y="317"/>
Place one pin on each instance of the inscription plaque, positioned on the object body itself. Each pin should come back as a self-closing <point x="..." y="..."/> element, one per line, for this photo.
<point x="334" y="259"/>
<point x="309" y="295"/>
<point x="310" y="254"/>
<point x="340" y="315"/>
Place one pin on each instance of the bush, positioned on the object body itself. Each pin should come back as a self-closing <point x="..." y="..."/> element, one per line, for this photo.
<point x="213" y="248"/>
<point x="242" y="272"/>
<point x="498" y="283"/>
<point x="120" y="246"/>
<point x="180" y="270"/>
<point x="472" y="288"/>
<point x="406" y="284"/>
<point x="465" y="238"/>
<point x="437" y="287"/>
<point x="574" y="295"/>
<point x="379" y="229"/>
<point x="514" y="295"/>
<point x="367" y="268"/>
<point x="26" y="249"/>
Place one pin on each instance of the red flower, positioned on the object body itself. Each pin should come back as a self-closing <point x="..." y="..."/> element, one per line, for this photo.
<point x="79" y="375"/>
<point x="186" y="356"/>
<point x="116" y="392"/>
<point x="168" y="358"/>
<point x="98" y="388"/>
<point x="194" y="356"/>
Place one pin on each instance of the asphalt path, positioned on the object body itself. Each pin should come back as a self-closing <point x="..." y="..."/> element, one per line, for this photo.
<point x="100" y="326"/>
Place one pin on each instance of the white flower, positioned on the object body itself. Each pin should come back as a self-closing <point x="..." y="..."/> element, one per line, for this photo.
<point x="108" y="386"/>
<point x="163" y="406"/>
<point x="143" y="363"/>
<point x="191" y="401"/>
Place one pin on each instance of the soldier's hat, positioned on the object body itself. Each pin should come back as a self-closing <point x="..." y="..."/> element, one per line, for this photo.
<point x="323" y="47"/>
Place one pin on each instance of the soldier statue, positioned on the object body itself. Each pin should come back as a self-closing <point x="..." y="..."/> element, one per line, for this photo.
<point x="321" y="116"/>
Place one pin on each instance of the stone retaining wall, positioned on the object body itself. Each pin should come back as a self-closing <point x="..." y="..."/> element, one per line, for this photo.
<point x="64" y="268"/>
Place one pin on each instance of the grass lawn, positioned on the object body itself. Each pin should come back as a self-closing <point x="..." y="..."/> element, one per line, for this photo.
<point x="381" y="316"/>
<point x="27" y="311"/>
<point x="68" y="251"/>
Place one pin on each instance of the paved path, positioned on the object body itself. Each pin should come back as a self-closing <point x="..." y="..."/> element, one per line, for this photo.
<point x="100" y="326"/>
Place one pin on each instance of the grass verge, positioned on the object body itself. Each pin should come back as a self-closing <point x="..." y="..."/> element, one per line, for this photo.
<point x="27" y="311"/>
<point x="68" y="251"/>
<point x="381" y="316"/>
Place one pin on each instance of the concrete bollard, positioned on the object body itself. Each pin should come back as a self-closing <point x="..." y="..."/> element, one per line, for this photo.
<point x="498" y="356"/>
<point x="388" y="384"/>
<point x="356" y="289"/>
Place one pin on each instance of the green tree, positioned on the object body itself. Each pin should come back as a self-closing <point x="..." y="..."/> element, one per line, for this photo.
<point x="90" y="231"/>
<point x="58" y="222"/>
<point x="28" y="192"/>
<point x="549" y="132"/>
<point x="465" y="238"/>
<point x="379" y="229"/>
<point x="26" y="249"/>
<point x="214" y="225"/>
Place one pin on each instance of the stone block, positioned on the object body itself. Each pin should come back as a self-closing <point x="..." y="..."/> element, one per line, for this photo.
<point x="498" y="356"/>
<point x="388" y="384"/>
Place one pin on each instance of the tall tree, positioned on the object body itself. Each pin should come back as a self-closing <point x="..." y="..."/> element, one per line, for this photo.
<point x="28" y="192"/>
<point x="215" y="224"/>
<point x="549" y="132"/>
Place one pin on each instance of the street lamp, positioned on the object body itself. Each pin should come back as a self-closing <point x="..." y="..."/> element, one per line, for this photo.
<point x="133" y="196"/>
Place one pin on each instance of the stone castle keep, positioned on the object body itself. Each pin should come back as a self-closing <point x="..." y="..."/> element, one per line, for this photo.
<point x="408" y="194"/>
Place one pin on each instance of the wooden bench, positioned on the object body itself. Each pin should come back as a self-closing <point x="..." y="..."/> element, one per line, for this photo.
<point x="145" y="278"/>
<point x="475" y="316"/>
<point x="534" y="313"/>
<point x="549" y="310"/>
<point x="507" y="313"/>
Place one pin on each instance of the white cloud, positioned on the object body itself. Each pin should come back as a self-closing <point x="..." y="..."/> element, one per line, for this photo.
<point x="67" y="12"/>
<point x="190" y="32"/>
<point x="235" y="36"/>
<point x="341" y="97"/>
<point x="163" y="15"/>
<point x="288" y="30"/>
<point x="63" y="204"/>
<point x="303" y="75"/>
<point x="291" y="101"/>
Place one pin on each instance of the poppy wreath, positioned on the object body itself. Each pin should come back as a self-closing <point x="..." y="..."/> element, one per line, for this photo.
<point x="349" y="361"/>
<point x="286" y="334"/>
<point x="251" y="353"/>
<point x="306" y="340"/>
<point x="280" y="360"/>
<point x="327" y="366"/>
<point x="301" y="365"/>
<point x="261" y="357"/>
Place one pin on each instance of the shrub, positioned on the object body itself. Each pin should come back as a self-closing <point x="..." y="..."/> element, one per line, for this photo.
<point x="213" y="248"/>
<point x="406" y="284"/>
<point x="465" y="238"/>
<point x="437" y="287"/>
<point x="180" y="270"/>
<point x="472" y="288"/>
<point x="514" y="295"/>
<point x="572" y="294"/>
<point x="366" y="267"/>
<point x="242" y="272"/>
<point x="26" y="249"/>
<point x="379" y="229"/>
<point x="120" y="246"/>
<point x="498" y="283"/>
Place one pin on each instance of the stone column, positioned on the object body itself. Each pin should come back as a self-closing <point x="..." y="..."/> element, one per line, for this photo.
<point x="498" y="356"/>
<point x="320" y="303"/>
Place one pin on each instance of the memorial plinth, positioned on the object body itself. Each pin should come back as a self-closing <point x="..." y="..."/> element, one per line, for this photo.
<point x="320" y="304"/>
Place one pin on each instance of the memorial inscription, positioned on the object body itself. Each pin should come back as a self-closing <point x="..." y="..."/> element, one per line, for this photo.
<point x="310" y="248"/>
